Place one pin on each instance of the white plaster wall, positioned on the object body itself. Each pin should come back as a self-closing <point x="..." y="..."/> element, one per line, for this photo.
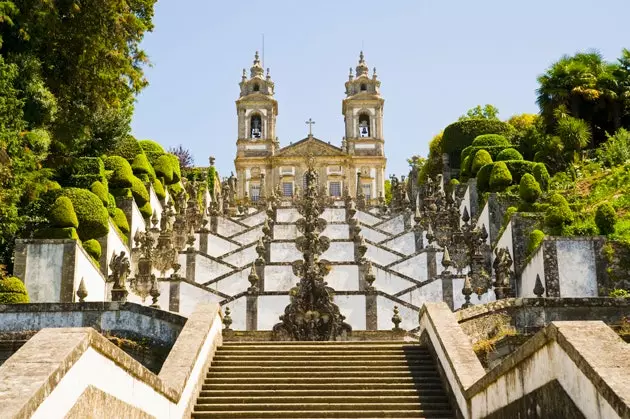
<point x="156" y="205"/>
<point x="218" y="247"/>
<point x="339" y="252"/>
<point x="353" y="307"/>
<point x="270" y="307"/>
<point x="238" y="313"/>
<point x="394" y="225"/>
<point x="484" y="219"/>
<point x="284" y="252"/>
<point x="334" y="215"/>
<point x="242" y="258"/>
<point x="163" y="299"/>
<point x="137" y="223"/>
<point x="528" y="276"/>
<point x="414" y="267"/>
<point x="287" y="215"/>
<point x="228" y="228"/>
<point x="380" y="256"/>
<point x="576" y="268"/>
<point x="233" y="284"/>
<point x="428" y="293"/>
<point x="285" y="231"/>
<point x="207" y="269"/>
<point x="367" y="219"/>
<point x="506" y="240"/>
<point x="250" y="236"/>
<point x="343" y="277"/>
<point x="405" y="244"/>
<point x="181" y="259"/>
<point x="385" y="312"/>
<point x="190" y="296"/>
<point x="114" y="244"/>
<point x="337" y="232"/>
<point x="373" y="235"/>
<point x="458" y="297"/>
<point x="389" y="282"/>
<point x="279" y="278"/>
<point x="255" y="219"/>
<point x="92" y="277"/>
<point x="43" y="272"/>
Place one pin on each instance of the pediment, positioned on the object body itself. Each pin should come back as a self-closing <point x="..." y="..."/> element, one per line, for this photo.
<point x="308" y="147"/>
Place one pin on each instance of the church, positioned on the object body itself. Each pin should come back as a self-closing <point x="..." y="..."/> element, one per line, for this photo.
<point x="262" y="166"/>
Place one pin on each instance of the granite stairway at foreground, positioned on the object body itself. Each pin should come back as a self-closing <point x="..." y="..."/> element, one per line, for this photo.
<point x="322" y="380"/>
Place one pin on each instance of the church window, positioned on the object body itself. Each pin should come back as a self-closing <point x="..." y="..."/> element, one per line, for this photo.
<point x="287" y="189"/>
<point x="364" y="125"/>
<point x="254" y="192"/>
<point x="363" y="87"/>
<point x="256" y="87"/>
<point x="335" y="188"/>
<point x="256" y="126"/>
<point x="367" y="190"/>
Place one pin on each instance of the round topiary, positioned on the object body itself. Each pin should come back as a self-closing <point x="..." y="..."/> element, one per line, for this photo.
<point x="509" y="154"/>
<point x="482" y="157"/>
<point x="483" y="177"/>
<point x="120" y="219"/>
<point x="62" y="214"/>
<point x="13" y="291"/>
<point x="177" y="173"/>
<point x="101" y="191"/>
<point x="57" y="233"/>
<point x="541" y="175"/>
<point x="164" y="169"/>
<point x="500" y="177"/>
<point x="146" y="210"/>
<point x="141" y="165"/>
<point x="127" y="148"/>
<point x="152" y="149"/>
<point x="529" y="189"/>
<point x="558" y="213"/>
<point x="464" y="171"/>
<point x="122" y="175"/>
<point x="461" y="134"/>
<point x="93" y="248"/>
<point x="91" y="214"/>
<point x="535" y="239"/>
<point x="491" y="140"/>
<point x="158" y="188"/>
<point x="605" y="219"/>
<point x="139" y="192"/>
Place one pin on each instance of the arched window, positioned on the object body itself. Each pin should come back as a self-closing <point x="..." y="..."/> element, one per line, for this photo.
<point x="363" y="87"/>
<point x="256" y="126"/>
<point x="256" y="87"/>
<point x="364" y="125"/>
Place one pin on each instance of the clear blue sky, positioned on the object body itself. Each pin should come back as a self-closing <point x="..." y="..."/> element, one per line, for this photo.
<point x="435" y="59"/>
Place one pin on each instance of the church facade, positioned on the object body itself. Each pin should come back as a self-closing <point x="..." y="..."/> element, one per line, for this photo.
<point x="262" y="166"/>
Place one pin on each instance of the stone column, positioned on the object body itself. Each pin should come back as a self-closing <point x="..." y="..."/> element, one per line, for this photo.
<point x="190" y="265"/>
<point x="251" y="315"/>
<point x="371" y="310"/>
<point x="203" y="240"/>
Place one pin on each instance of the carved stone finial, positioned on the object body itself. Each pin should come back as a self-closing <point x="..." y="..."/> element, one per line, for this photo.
<point x="396" y="319"/>
<point x="539" y="290"/>
<point x="467" y="291"/>
<point x="465" y="215"/>
<point x="253" y="279"/>
<point x="82" y="291"/>
<point x="369" y="276"/>
<point x="446" y="259"/>
<point x="155" y="293"/>
<point x="227" y="319"/>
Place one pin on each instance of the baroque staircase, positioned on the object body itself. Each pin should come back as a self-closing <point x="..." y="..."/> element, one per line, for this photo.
<point x="365" y="379"/>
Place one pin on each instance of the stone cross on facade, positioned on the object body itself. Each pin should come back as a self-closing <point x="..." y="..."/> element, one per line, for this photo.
<point x="310" y="124"/>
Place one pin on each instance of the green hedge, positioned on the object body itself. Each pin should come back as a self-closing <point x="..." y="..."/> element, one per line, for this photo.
<point x="146" y="210"/>
<point x="491" y="140"/>
<point x="558" y="213"/>
<point x="481" y="158"/>
<point x="483" y="178"/>
<point x="121" y="175"/>
<point x="529" y="189"/>
<point x="13" y="291"/>
<point x="164" y="169"/>
<point x="62" y="214"/>
<point x="81" y="172"/>
<point x="159" y="189"/>
<point x="152" y="149"/>
<point x="120" y="220"/>
<point x="93" y="248"/>
<point x="101" y="191"/>
<point x="92" y="215"/>
<point x="127" y="148"/>
<point x="57" y="233"/>
<point x="518" y="168"/>
<point x="111" y="204"/>
<point x="509" y="154"/>
<point x="500" y="177"/>
<point x="542" y="175"/>
<point x="139" y="192"/>
<point x="141" y="165"/>
<point x="177" y="173"/>
<point x="534" y="240"/>
<point x="493" y="150"/>
<point x="461" y="134"/>
<point x="605" y="219"/>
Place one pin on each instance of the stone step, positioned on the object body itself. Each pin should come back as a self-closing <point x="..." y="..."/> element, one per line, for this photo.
<point x="265" y="391"/>
<point x="323" y="405"/>
<point x="366" y="343"/>
<point x="341" y="379"/>
<point x="313" y="363"/>
<point x="286" y="348"/>
<point x="287" y="372"/>
<point x="319" y="369"/>
<point x="328" y="413"/>
<point x="317" y="358"/>
<point x="319" y="398"/>
<point x="322" y="385"/>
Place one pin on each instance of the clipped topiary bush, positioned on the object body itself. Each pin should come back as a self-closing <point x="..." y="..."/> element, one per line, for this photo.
<point x="490" y="140"/>
<point x="509" y="154"/>
<point x="482" y="157"/>
<point x="164" y="169"/>
<point x="13" y="291"/>
<point x="81" y="172"/>
<point x="558" y="213"/>
<point x="62" y="214"/>
<point x="91" y="214"/>
<point x="146" y="210"/>
<point x="175" y="190"/>
<point x="101" y="191"/>
<point x="57" y="233"/>
<point x="152" y="149"/>
<point x="159" y="189"/>
<point x="605" y="219"/>
<point x="121" y="174"/>
<point x="111" y="205"/>
<point x="127" y="148"/>
<point x="120" y="220"/>
<point x="461" y="134"/>
<point x="541" y="175"/>
<point x="139" y="192"/>
<point x="500" y="177"/>
<point x="465" y="169"/>
<point x="483" y="178"/>
<point x="518" y="168"/>
<point x="141" y="165"/>
<point x="93" y="248"/>
<point x="177" y="173"/>
<point x="529" y="189"/>
<point x="534" y="240"/>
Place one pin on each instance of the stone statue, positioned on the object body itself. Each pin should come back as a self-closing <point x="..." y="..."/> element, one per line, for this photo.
<point x="119" y="265"/>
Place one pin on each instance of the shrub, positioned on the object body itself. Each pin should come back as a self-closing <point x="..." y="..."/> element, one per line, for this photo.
<point x="213" y="176"/>
<point x="111" y="204"/>
<point x="461" y="134"/>
<point x="619" y="293"/>
<point x="465" y="169"/>
<point x="483" y="178"/>
<point x="558" y="213"/>
<point x="534" y="240"/>
<point x="164" y="169"/>
<point x="541" y="175"/>
<point x="38" y="140"/>
<point x="152" y="149"/>
<point x="81" y="172"/>
<point x="500" y="177"/>
<point x="518" y="168"/>
<point x="509" y="154"/>
<point x="529" y="189"/>
<point x="141" y="165"/>
<point x="482" y="157"/>
<point x="177" y="174"/>
<point x="13" y="291"/>
<point x="127" y="148"/>
<point x="139" y="192"/>
<point x="62" y="214"/>
<point x="122" y="175"/>
<point x="120" y="220"/>
<point x="57" y="233"/>
<point x="490" y="140"/>
<point x="581" y="227"/>
<point x="93" y="248"/>
<point x="91" y="214"/>
<point x="159" y="189"/>
<point x="101" y="191"/>
<point x="146" y="210"/>
<point x="605" y="219"/>
<point x="616" y="149"/>
<point x="175" y="189"/>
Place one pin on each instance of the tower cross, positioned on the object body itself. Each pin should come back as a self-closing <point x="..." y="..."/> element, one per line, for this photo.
<point x="310" y="124"/>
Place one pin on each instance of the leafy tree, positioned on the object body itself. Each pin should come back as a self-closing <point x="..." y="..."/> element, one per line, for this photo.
<point x="574" y="133"/>
<point x="616" y="149"/>
<point x="486" y="112"/>
<point x="186" y="160"/>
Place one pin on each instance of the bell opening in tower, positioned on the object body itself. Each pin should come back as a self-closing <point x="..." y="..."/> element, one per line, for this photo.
<point x="364" y="125"/>
<point x="256" y="126"/>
